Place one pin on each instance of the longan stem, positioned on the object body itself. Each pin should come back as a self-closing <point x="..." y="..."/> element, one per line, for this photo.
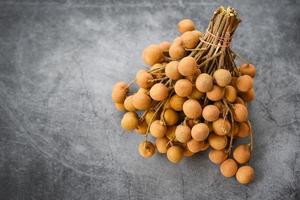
<point x="132" y="82"/>
<point x="251" y="136"/>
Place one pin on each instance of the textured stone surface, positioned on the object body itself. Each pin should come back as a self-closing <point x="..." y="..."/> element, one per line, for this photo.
<point x="59" y="132"/>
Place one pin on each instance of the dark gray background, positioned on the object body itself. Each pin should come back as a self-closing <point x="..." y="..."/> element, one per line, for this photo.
<point x="60" y="134"/>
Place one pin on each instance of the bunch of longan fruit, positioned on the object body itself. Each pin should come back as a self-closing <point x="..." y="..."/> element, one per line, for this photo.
<point x="187" y="110"/>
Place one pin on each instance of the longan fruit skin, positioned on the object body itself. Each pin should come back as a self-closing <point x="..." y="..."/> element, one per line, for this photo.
<point x="244" y="83"/>
<point x="175" y="154"/>
<point x="196" y="94"/>
<point x="239" y="100"/>
<point x="159" y="92"/>
<point x="129" y="121"/>
<point x="187" y="66"/>
<point x="241" y="154"/>
<point x="248" y="96"/>
<point x="146" y="149"/>
<point x="216" y="94"/>
<point x="141" y="101"/>
<point x="143" y="78"/>
<point x="171" y="70"/>
<point x="196" y="146"/>
<point x="152" y="54"/>
<point x="217" y="156"/>
<point x="217" y="142"/>
<point x="200" y="132"/>
<point x="161" y="144"/>
<point x="240" y="112"/>
<point x="192" y="108"/>
<point x="177" y="51"/>
<point x="248" y="69"/>
<point x="157" y="129"/>
<point x="149" y="116"/>
<point x="183" y="87"/>
<point x="165" y="46"/>
<point x="230" y="93"/>
<point x="176" y="102"/>
<point x="204" y="82"/>
<point x="186" y="25"/>
<point x="244" y="130"/>
<point x="128" y="103"/>
<point x="171" y="117"/>
<point x="228" y="168"/>
<point x="190" y="39"/>
<point x="222" y="77"/>
<point x="142" y="128"/>
<point x="187" y="153"/>
<point x="245" y="174"/>
<point x="120" y="107"/>
<point x="170" y="134"/>
<point x="183" y="133"/>
<point x="119" y="92"/>
<point x="221" y="127"/>
<point x="211" y="113"/>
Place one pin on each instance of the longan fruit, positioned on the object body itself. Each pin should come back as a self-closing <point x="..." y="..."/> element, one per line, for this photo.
<point x="196" y="94"/>
<point x="175" y="154"/>
<point x="141" y="101"/>
<point x="244" y="130"/>
<point x="128" y="103"/>
<point x="196" y="146"/>
<point x="142" y="128"/>
<point x="249" y="95"/>
<point x="217" y="142"/>
<point x="171" y="117"/>
<point x="176" y="51"/>
<point x="241" y="153"/>
<point x="239" y="100"/>
<point x="143" y="90"/>
<point x="221" y="126"/>
<point x="222" y="77"/>
<point x="240" y="112"/>
<point x="234" y="129"/>
<point x="217" y="156"/>
<point x="186" y="25"/>
<point x="216" y="93"/>
<point x="187" y="66"/>
<point x="171" y="133"/>
<point x="230" y="93"/>
<point x="119" y="92"/>
<point x="183" y="87"/>
<point x="149" y="115"/>
<point x="183" y="133"/>
<point x="233" y="81"/>
<point x="244" y="83"/>
<point x="152" y="54"/>
<point x="190" y="39"/>
<point x="248" y="69"/>
<point x="198" y="33"/>
<point x="192" y="108"/>
<point x="176" y="102"/>
<point x="228" y="168"/>
<point x="172" y="70"/>
<point x="157" y="129"/>
<point x="159" y="92"/>
<point x="143" y="79"/>
<point x="161" y="144"/>
<point x="245" y="174"/>
<point x="204" y="82"/>
<point x="120" y="107"/>
<point x="187" y="153"/>
<point x="146" y="149"/>
<point x="129" y="121"/>
<point x="165" y="46"/>
<point x="211" y="113"/>
<point x="178" y="41"/>
<point x="200" y="132"/>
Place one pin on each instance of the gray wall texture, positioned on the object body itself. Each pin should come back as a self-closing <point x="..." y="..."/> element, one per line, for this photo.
<point x="59" y="132"/>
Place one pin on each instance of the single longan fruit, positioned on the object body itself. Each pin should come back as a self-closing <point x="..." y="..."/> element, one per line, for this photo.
<point x="222" y="77"/>
<point x="146" y="149"/>
<point x="183" y="133"/>
<point x="196" y="94"/>
<point x="119" y="92"/>
<point x="241" y="153"/>
<point x="143" y="90"/>
<point x="129" y="121"/>
<point x="200" y="132"/>
<point x="187" y="66"/>
<point x="228" y="168"/>
<point x="190" y="39"/>
<point x="161" y="144"/>
<point x="143" y="79"/>
<point x="240" y="112"/>
<point x="159" y="92"/>
<point x="141" y="101"/>
<point x="176" y="51"/>
<point x="171" y="117"/>
<point x="216" y="94"/>
<point x="183" y="87"/>
<point x="244" y="130"/>
<point x="248" y="69"/>
<point x="234" y="129"/>
<point x="175" y="154"/>
<point x="211" y="113"/>
<point x="167" y="104"/>
<point x="120" y="107"/>
<point x="157" y="129"/>
<point x="217" y="142"/>
<point x="217" y="156"/>
<point x="192" y="108"/>
<point x="186" y="25"/>
<point x="187" y="153"/>
<point x="142" y="128"/>
<point x="245" y="174"/>
<point x="244" y="83"/>
<point x="172" y="70"/>
<point x="230" y="93"/>
<point x="221" y="127"/>
<point x="165" y="46"/>
<point x="196" y="146"/>
<point x="239" y="100"/>
<point x="248" y="96"/>
<point x="204" y="82"/>
<point x="178" y="41"/>
<point x="152" y="54"/>
<point x="176" y="102"/>
<point x="149" y="116"/>
<point x="128" y="103"/>
<point x="171" y="133"/>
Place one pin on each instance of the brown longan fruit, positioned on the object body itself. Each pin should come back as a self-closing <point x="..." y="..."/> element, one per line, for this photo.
<point x="200" y="132"/>
<point x="161" y="144"/>
<point x="183" y="87"/>
<point x="241" y="153"/>
<point x="141" y="101"/>
<point x="187" y="152"/>
<point x="216" y="93"/>
<point x="222" y="77"/>
<point x="175" y="154"/>
<point x="171" y="117"/>
<point x="211" y="113"/>
<point x="204" y="82"/>
<point x="228" y="168"/>
<point x="157" y="129"/>
<point x="192" y="108"/>
<point x="128" y="103"/>
<point x="176" y="102"/>
<point x="244" y="130"/>
<point x="248" y="69"/>
<point x="196" y="146"/>
<point x="129" y="121"/>
<point x="172" y="70"/>
<point x="221" y="126"/>
<point x="183" y="133"/>
<point x="178" y="41"/>
<point x="198" y="33"/>
<point x="143" y="79"/>
<point x="230" y="93"/>
<point x="159" y="92"/>
<point x="245" y="174"/>
<point x="239" y="100"/>
<point x="152" y="54"/>
<point x="120" y="107"/>
<point x="217" y="142"/>
<point x="187" y="66"/>
<point x="146" y="149"/>
<point x="176" y="51"/>
<point x="142" y="128"/>
<point x="119" y="92"/>
<point x="234" y="129"/>
<point x="171" y="133"/>
<point x="165" y="46"/>
<point x="149" y="115"/>
<point x="186" y="25"/>
<point x="190" y="39"/>
<point x="240" y="112"/>
<point x="244" y="83"/>
<point x="249" y="95"/>
<point x="217" y="156"/>
<point x="196" y="94"/>
<point x="219" y="105"/>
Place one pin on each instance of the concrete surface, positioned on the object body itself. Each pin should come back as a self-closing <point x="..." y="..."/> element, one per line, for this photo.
<point x="59" y="132"/>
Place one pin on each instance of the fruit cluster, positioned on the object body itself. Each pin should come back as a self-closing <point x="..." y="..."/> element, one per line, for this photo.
<point x="193" y="97"/>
